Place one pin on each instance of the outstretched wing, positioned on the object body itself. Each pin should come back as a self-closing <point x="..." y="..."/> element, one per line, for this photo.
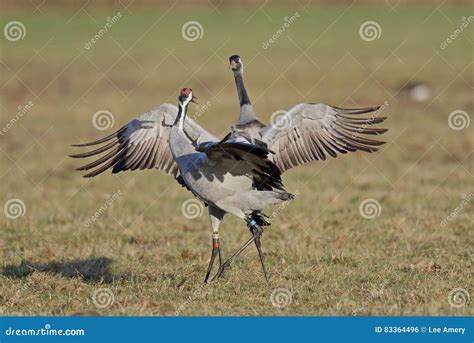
<point x="309" y="132"/>
<point x="141" y="144"/>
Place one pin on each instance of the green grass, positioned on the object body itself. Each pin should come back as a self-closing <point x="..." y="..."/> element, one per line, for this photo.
<point x="153" y="259"/>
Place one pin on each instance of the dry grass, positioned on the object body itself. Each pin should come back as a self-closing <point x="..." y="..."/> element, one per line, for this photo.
<point x="320" y="248"/>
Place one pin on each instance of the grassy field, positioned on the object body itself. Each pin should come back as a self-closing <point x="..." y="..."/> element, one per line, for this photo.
<point x="145" y="254"/>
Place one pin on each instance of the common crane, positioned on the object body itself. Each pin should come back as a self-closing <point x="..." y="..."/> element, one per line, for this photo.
<point x="240" y="174"/>
<point x="307" y="131"/>
<point x="304" y="133"/>
<point x="229" y="176"/>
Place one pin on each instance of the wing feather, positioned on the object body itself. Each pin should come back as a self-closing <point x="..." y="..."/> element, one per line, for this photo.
<point x="315" y="131"/>
<point x="142" y="143"/>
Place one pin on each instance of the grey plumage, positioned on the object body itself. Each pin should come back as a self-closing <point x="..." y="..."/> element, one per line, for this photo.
<point x="142" y="144"/>
<point x="240" y="174"/>
<point x="229" y="176"/>
<point x="306" y="132"/>
<point x="248" y="126"/>
<point x="309" y="132"/>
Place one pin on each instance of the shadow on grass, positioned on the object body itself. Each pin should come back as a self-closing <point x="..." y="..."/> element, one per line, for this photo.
<point x="95" y="269"/>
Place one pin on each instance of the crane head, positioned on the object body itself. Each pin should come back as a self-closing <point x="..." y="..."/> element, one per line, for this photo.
<point x="235" y="63"/>
<point x="186" y="96"/>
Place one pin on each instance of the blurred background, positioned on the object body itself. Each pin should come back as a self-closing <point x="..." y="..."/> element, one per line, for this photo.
<point x="74" y="71"/>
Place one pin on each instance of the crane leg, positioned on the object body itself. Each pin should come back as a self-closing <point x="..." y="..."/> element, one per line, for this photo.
<point x="256" y="235"/>
<point x="258" y="245"/>
<point x="215" y="251"/>
<point x="216" y="217"/>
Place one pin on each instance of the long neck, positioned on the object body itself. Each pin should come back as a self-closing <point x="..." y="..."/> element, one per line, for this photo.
<point x="246" y="110"/>
<point x="180" y="143"/>
<point x="239" y="82"/>
<point x="179" y="122"/>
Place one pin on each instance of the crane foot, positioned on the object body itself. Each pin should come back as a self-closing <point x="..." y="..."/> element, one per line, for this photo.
<point x="256" y="235"/>
<point x="215" y="251"/>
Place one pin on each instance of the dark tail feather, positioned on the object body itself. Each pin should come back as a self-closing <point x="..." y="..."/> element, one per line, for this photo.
<point x="285" y="196"/>
<point x="257" y="218"/>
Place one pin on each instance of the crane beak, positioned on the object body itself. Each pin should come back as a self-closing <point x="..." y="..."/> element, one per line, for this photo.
<point x="192" y="100"/>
